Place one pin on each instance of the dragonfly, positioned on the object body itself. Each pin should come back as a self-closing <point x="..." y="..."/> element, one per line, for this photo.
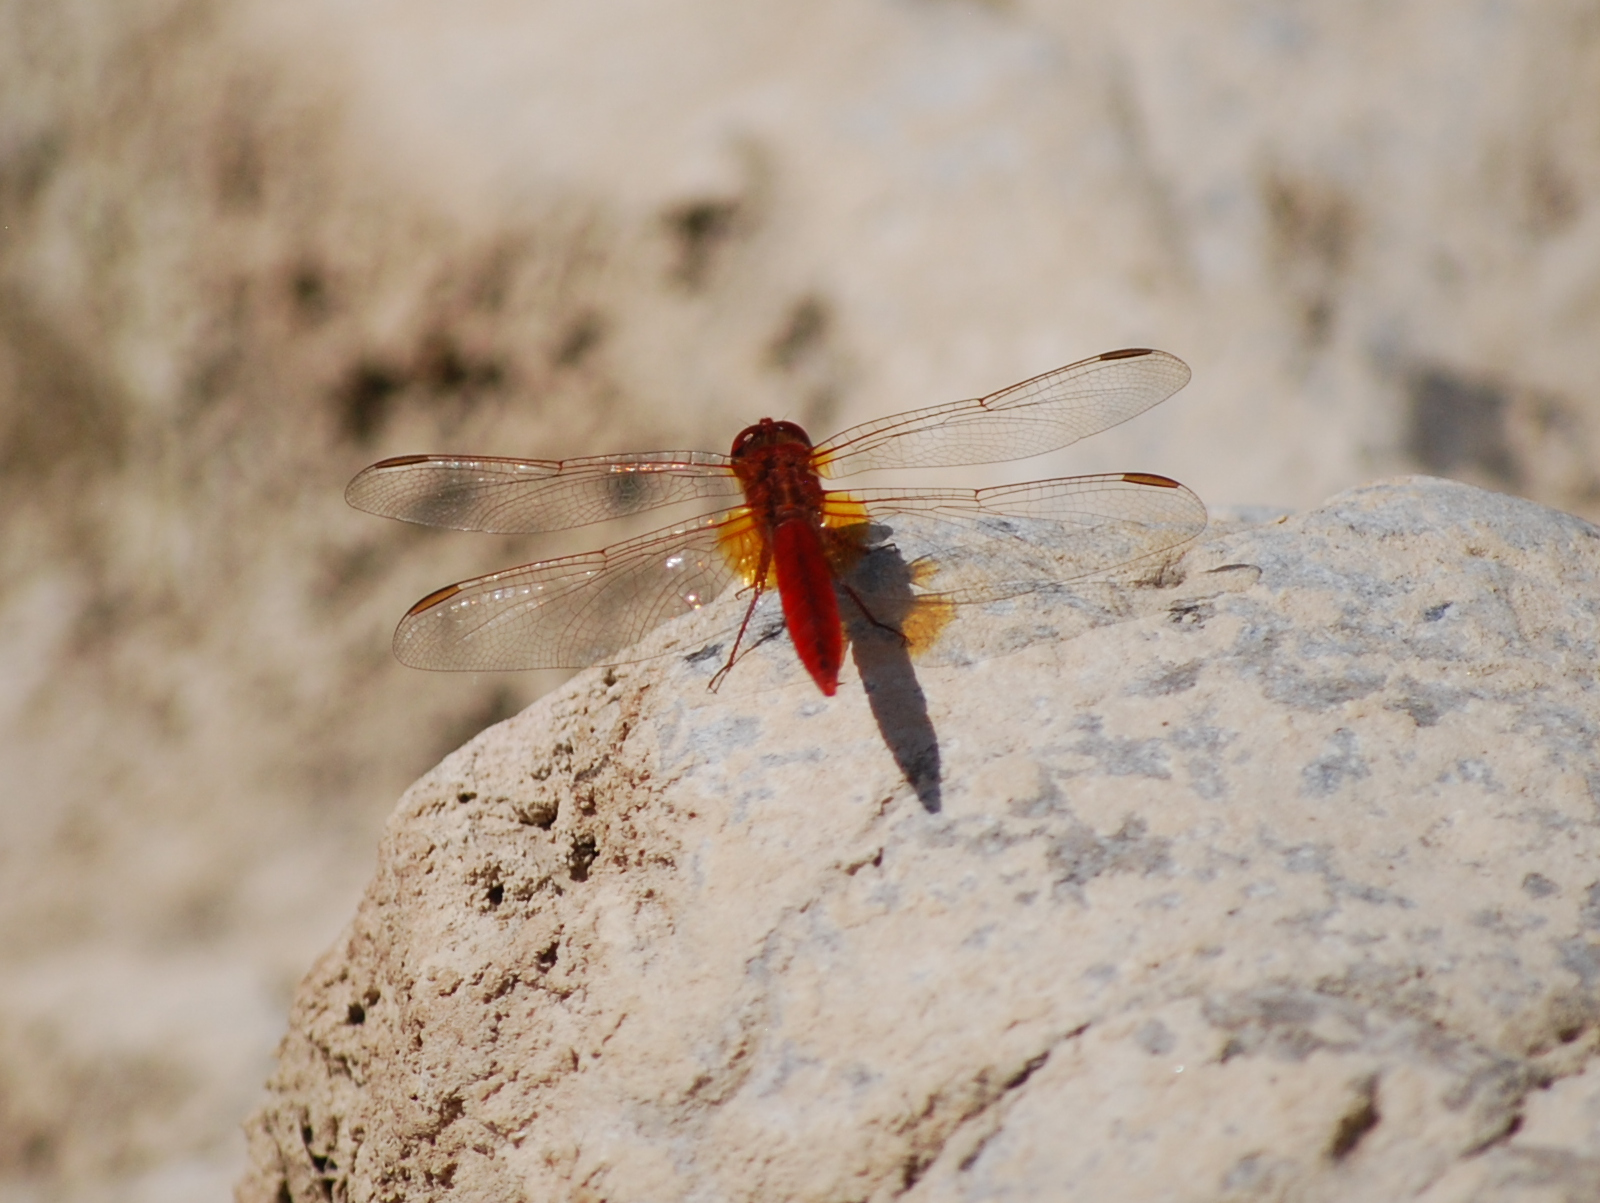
<point x="772" y="525"/>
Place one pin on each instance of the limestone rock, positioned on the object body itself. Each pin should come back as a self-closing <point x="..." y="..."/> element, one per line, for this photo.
<point x="1271" y="876"/>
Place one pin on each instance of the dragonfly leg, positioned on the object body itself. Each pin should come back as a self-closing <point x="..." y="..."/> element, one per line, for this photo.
<point x="756" y="589"/>
<point x="749" y="612"/>
<point x="872" y="618"/>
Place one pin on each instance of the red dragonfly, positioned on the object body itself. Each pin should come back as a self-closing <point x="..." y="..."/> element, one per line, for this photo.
<point x="777" y="527"/>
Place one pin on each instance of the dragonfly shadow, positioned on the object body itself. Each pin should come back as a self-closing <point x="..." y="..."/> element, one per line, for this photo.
<point x="877" y="603"/>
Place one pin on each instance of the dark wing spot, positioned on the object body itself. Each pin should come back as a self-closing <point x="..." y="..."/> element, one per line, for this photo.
<point x="433" y="599"/>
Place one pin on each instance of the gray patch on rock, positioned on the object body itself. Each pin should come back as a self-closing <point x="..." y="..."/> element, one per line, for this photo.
<point x="1537" y="885"/>
<point x="1117" y="756"/>
<point x="1155" y="1038"/>
<point x="1341" y="763"/>
<point x="1318" y="859"/>
<point x="1204" y="766"/>
<point x="1589" y="912"/>
<point x="1170" y="679"/>
<point x="1428" y="702"/>
<point x="1581" y="957"/>
<point x="1082" y="854"/>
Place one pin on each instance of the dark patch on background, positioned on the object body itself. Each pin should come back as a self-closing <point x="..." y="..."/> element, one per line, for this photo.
<point x="342" y="570"/>
<point x="239" y="164"/>
<point x="365" y="398"/>
<point x="581" y="338"/>
<point x="65" y="418"/>
<point x="444" y="366"/>
<point x="1554" y="200"/>
<point x="499" y="704"/>
<point x="1312" y="225"/>
<point x="1456" y="423"/>
<point x="805" y="329"/>
<point x="700" y="229"/>
<point x="309" y="293"/>
<point x="27" y="170"/>
<point x="822" y="407"/>
<point x="491" y="283"/>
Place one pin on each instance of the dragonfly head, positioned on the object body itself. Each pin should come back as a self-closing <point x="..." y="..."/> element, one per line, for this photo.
<point x="768" y="432"/>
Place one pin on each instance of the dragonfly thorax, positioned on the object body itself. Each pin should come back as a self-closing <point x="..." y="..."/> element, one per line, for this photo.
<point x="773" y="461"/>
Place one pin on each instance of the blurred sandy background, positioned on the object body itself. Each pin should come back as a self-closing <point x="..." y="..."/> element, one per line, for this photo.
<point x="247" y="247"/>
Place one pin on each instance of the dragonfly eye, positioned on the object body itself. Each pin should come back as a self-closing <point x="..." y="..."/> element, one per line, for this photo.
<point x="769" y="432"/>
<point x="789" y="432"/>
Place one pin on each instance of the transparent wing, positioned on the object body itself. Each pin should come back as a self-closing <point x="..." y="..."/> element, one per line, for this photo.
<point x="973" y="545"/>
<point x="1030" y="418"/>
<point x="574" y="611"/>
<point x="527" y="496"/>
<point x="957" y="545"/>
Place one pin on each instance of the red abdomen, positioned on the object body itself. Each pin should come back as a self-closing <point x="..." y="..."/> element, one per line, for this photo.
<point x="810" y="606"/>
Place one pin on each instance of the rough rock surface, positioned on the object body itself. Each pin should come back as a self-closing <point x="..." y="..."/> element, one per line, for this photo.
<point x="1272" y="876"/>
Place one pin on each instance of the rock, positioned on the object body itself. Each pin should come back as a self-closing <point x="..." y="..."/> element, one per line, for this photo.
<point x="1271" y="876"/>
